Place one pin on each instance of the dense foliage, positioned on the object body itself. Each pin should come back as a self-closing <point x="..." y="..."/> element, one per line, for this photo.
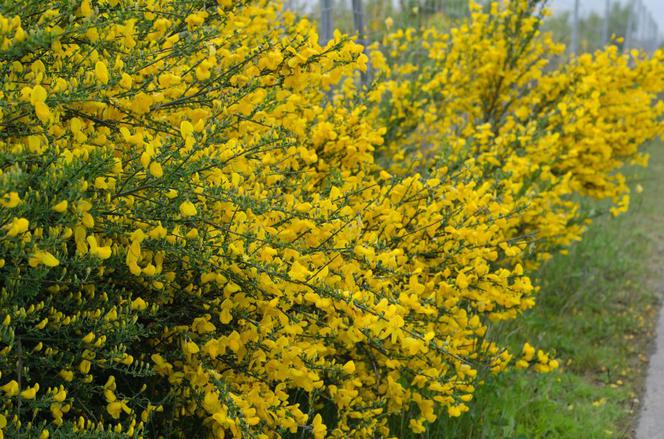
<point x="208" y="227"/>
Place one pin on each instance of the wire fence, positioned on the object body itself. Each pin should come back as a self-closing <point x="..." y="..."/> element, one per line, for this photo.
<point x="630" y="20"/>
<point x="627" y="23"/>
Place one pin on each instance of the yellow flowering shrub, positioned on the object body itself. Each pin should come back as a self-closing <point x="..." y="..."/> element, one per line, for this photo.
<point x="495" y="95"/>
<point x="196" y="241"/>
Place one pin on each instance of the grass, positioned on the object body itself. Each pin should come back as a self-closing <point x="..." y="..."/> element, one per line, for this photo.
<point x="596" y="311"/>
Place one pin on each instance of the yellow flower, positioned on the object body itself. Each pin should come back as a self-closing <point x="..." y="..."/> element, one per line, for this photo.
<point x="126" y="81"/>
<point x="60" y="396"/>
<point x="61" y="206"/>
<point x="156" y="170"/>
<point x="202" y="73"/>
<point x="101" y="72"/>
<point x="528" y="352"/>
<point x="521" y="364"/>
<point x="462" y="281"/>
<point x="454" y="411"/>
<point x="38" y="94"/>
<point x="66" y="375"/>
<point x="10" y="389"/>
<point x="20" y="34"/>
<point x="299" y="272"/>
<point x="189" y="347"/>
<point x="211" y="402"/>
<point x="116" y="408"/>
<point x="196" y="19"/>
<point x="202" y="325"/>
<point x="349" y="367"/>
<point x="84" y="366"/>
<point x="97" y="251"/>
<point x="87" y="220"/>
<point x="187" y="208"/>
<point x="318" y="428"/>
<point x="186" y="129"/>
<point x="42" y="111"/>
<point x="138" y="304"/>
<point x="10" y="200"/>
<point x="42" y="257"/>
<point x="86" y="9"/>
<point x="18" y="226"/>
<point x="272" y="60"/>
<point x="31" y="392"/>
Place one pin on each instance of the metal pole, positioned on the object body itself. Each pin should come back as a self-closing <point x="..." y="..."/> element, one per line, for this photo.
<point x="628" y="32"/>
<point x="648" y="32"/>
<point x="656" y="39"/>
<point x="638" y="25"/>
<point x="575" y="29"/>
<point x="607" y="19"/>
<point x="325" y="22"/>
<point x="326" y="30"/>
<point x="358" y="22"/>
<point x="653" y="34"/>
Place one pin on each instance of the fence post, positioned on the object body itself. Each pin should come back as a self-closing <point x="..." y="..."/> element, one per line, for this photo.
<point x="655" y="35"/>
<point x="607" y="19"/>
<point x="326" y="25"/>
<point x="358" y="23"/>
<point x="575" y="29"/>
<point x="628" y="32"/>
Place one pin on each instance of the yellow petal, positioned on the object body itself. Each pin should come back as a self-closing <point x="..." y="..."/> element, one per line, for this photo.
<point x="156" y="170"/>
<point x="10" y="389"/>
<point x="103" y="252"/>
<point x="61" y="206"/>
<point x="186" y="128"/>
<point x="38" y="94"/>
<point x="187" y="208"/>
<point x="42" y="111"/>
<point x="48" y="259"/>
<point x="86" y="10"/>
<point x="101" y="72"/>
